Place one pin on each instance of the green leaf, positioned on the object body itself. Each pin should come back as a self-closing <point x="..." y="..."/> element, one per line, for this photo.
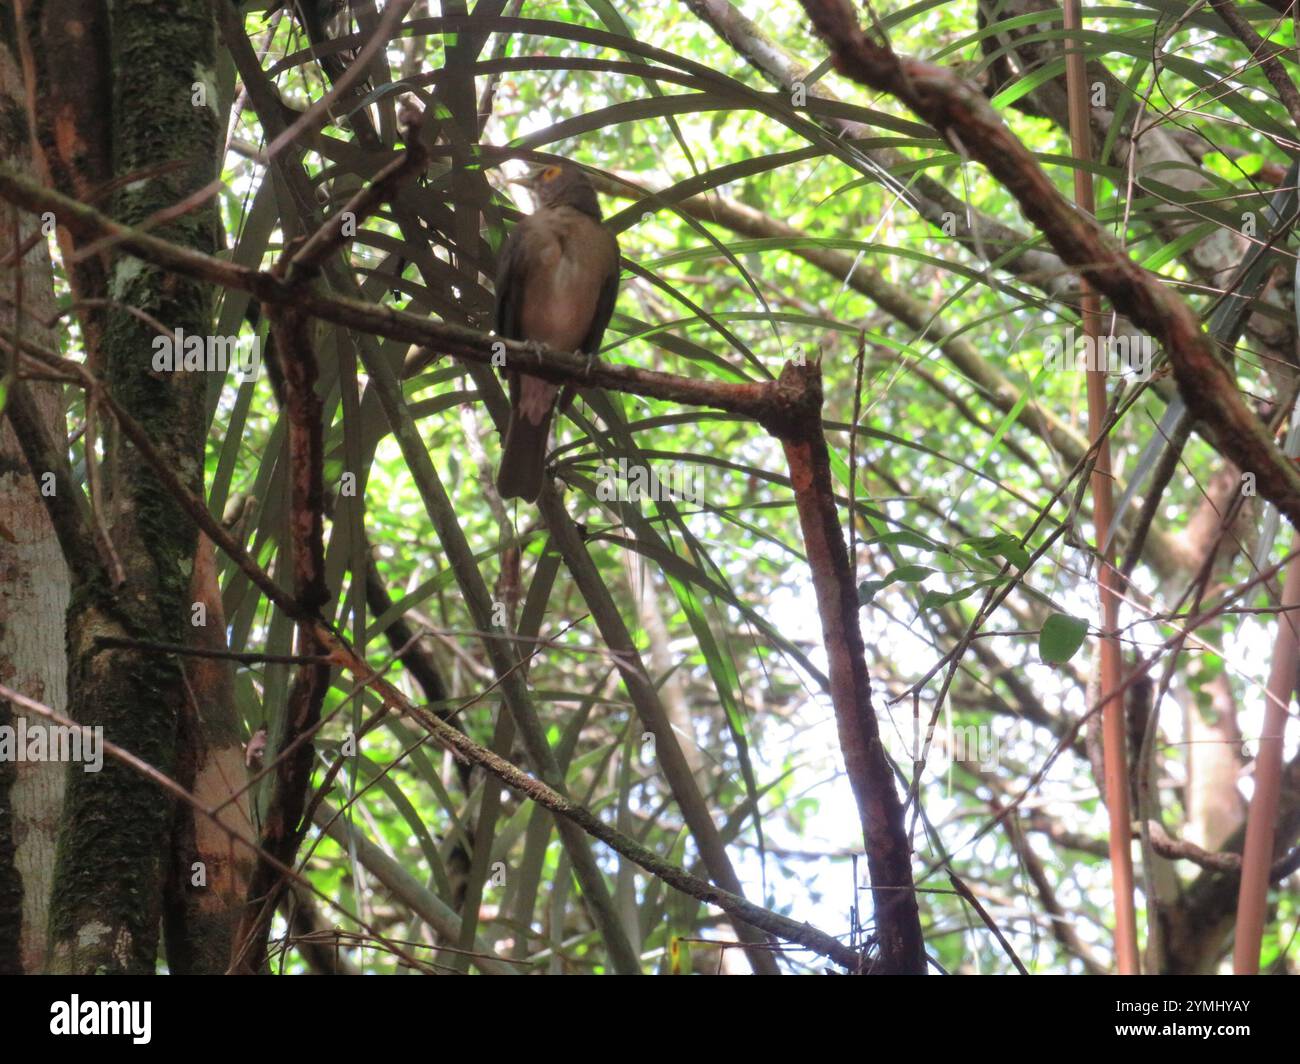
<point x="1061" y="638"/>
<point x="904" y="539"/>
<point x="910" y="574"/>
<point x="867" y="591"/>
<point x="1003" y="545"/>
<point x="934" y="599"/>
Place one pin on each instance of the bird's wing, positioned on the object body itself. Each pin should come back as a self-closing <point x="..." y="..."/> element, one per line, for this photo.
<point x="511" y="268"/>
<point x="605" y="301"/>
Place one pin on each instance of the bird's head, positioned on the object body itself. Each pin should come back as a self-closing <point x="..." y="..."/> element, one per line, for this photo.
<point x="564" y="185"/>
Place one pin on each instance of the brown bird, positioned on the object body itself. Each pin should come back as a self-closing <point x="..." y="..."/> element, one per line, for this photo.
<point x="557" y="283"/>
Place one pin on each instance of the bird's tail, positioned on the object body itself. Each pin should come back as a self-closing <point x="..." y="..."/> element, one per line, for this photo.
<point x="523" y="459"/>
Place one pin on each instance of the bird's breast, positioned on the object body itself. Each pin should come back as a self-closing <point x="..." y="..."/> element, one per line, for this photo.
<point x="565" y="271"/>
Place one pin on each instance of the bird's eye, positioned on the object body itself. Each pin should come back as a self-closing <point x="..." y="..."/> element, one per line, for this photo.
<point x="550" y="173"/>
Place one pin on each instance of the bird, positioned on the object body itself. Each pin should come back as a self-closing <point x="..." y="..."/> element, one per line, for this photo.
<point x="556" y="284"/>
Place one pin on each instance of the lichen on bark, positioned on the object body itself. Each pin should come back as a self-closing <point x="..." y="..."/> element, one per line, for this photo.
<point x="112" y="851"/>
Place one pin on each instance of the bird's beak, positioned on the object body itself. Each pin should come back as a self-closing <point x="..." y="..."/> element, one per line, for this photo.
<point x="529" y="180"/>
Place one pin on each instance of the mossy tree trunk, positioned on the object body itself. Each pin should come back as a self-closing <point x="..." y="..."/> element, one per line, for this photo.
<point x="165" y="132"/>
